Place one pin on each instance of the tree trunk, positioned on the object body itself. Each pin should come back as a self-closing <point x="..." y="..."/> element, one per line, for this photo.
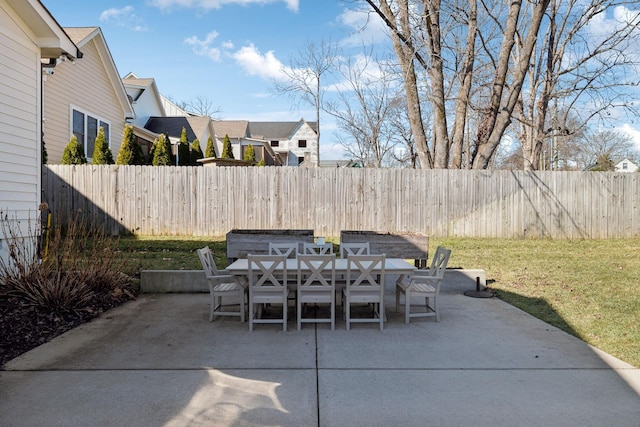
<point x="497" y="115"/>
<point x="401" y="38"/>
<point x="462" y="103"/>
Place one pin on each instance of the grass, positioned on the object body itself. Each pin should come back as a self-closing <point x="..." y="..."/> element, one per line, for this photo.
<point x="588" y="288"/>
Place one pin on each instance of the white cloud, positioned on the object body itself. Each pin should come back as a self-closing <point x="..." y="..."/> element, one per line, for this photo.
<point x="204" y="47"/>
<point x="217" y="4"/>
<point x="366" y="27"/>
<point x="124" y="17"/>
<point x="604" y="24"/>
<point x="632" y="132"/>
<point x="254" y="63"/>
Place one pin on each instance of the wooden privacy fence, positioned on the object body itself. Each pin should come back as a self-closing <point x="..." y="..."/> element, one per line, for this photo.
<point x="210" y="201"/>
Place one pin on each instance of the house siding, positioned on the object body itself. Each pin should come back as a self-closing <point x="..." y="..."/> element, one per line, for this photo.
<point x="20" y="170"/>
<point x="86" y="86"/>
<point x="304" y="131"/>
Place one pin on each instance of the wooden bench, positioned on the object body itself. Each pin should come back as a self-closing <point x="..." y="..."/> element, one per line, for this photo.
<point x="395" y="245"/>
<point x="240" y="243"/>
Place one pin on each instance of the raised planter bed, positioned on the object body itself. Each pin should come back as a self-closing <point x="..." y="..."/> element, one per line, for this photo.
<point x="395" y="245"/>
<point x="240" y="243"/>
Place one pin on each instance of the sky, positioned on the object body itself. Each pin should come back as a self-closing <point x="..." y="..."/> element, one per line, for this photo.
<point x="228" y="52"/>
<point x="225" y="51"/>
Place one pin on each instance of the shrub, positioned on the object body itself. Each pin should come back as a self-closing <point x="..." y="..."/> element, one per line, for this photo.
<point x="184" y="155"/>
<point x="130" y="152"/>
<point x="162" y="151"/>
<point x="227" y="149"/>
<point x="196" y="153"/>
<point x="250" y="154"/>
<point x="102" y="154"/>
<point x="73" y="153"/>
<point x="45" y="156"/>
<point x="210" y="151"/>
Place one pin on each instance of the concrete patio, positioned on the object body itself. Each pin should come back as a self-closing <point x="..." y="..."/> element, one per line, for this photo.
<point x="158" y="361"/>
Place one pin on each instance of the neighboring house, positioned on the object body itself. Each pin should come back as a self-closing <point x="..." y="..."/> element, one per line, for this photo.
<point x="240" y="137"/>
<point x="30" y="39"/>
<point x="626" y="165"/>
<point x="81" y="97"/>
<point x="278" y="143"/>
<point x="156" y="114"/>
<point x="292" y="141"/>
<point x="197" y="127"/>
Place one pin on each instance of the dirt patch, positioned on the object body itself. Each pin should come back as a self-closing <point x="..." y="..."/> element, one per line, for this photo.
<point x="24" y="327"/>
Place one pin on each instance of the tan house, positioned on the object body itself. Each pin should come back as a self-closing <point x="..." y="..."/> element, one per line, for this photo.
<point x="30" y="40"/>
<point x="82" y="96"/>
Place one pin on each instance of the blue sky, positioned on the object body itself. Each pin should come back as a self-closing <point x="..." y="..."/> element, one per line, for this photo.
<point x="229" y="51"/>
<point x="226" y="51"/>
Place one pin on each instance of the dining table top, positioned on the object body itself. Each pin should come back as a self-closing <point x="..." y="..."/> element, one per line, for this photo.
<point x="391" y="266"/>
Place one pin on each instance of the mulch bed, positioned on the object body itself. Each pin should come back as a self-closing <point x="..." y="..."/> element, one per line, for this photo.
<point x="24" y="327"/>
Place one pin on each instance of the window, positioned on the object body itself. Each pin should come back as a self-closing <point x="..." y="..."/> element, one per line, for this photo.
<point x="300" y="160"/>
<point x="275" y="143"/>
<point x="85" y="127"/>
<point x="625" y="166"/>
<point x="302" y="143"/>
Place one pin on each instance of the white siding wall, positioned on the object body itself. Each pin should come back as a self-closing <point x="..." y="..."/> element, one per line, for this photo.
<point x="303" y="132"/>
<point x="146" y="106"/>
<point x="86" y="86"/>
<point x="20" y="169"/>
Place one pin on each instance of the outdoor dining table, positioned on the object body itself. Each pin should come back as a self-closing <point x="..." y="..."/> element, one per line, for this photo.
<point x="392" y="266"/>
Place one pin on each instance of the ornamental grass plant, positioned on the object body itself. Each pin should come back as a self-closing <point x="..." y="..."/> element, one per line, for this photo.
<point x="66" y="271"/>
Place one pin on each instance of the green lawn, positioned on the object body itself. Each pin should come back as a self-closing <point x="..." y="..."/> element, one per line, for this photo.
<point x="589" y="288"/>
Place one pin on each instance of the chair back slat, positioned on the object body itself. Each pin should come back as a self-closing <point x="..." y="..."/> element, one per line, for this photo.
<point x="347" y="249"/>
<point x="288" y="249"/>
<point x="316" y="270"/>
<point x="208" y="264"/>
<point x="365" y="271"/>
<point x="263" y="268"/>
<point x="317" y="248"/>
<point x="439" y="262"/>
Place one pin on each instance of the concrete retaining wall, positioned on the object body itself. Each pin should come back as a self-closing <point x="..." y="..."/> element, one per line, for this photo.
<point x="175" y="281"/>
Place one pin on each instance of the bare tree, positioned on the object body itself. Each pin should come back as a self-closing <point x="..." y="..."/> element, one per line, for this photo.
<point x="303" y="78"/>
<point x="430" y="33"/>
<point x="575" y="65"/>
<point x="203" y="106"/>
<point x="603" y="144"/>
<point x="366" y="99"/>
<point x="397" y="17"/>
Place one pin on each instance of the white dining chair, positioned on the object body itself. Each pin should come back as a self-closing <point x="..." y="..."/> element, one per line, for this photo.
<point x="222" y="285"/>
<point x="267" y="286"/>
<point x="316" y="285"/>
<point x="364" y="285"/>
<point x="425" y="286"/>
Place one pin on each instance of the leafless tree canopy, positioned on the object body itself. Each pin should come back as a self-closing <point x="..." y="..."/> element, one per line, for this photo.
<point x="303" y="78"/>
<point x="520" y="67"/>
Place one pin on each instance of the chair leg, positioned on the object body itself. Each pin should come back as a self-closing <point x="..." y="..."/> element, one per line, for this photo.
<point x="242" y="307"/>
<point x="407" y="307"/>
<point x="347" y="310"/>
<point x="285" y="306"/>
